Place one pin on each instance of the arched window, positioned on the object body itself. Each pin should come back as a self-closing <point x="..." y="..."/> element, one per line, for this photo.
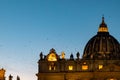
<point x="84" y="66"/>
<point x="52" y="66"/>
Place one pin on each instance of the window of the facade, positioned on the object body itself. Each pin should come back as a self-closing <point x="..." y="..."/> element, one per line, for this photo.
<point x="52" y="66"/>
<point x="70" y="67"/>
<point x="100" y="66"/>
<point x="84" y="67"/>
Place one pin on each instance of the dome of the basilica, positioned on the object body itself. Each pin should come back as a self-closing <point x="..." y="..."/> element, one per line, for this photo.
<point x="102" y="45"/>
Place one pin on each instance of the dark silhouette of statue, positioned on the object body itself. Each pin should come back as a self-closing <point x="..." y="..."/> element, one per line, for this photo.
<point x="10" y="77"/>
<point x="78" y="55"/>
<point x="41" y="56"/>
<point x="71" y="56"/>
<point x="18" y="78"/>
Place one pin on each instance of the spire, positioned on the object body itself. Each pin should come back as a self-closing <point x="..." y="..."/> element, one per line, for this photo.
<point x="103" y="26"/>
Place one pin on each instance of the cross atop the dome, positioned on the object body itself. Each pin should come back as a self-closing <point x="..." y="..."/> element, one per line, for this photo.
<point x="103" y="19"/>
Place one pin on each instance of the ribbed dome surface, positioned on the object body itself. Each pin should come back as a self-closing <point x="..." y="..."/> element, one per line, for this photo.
<point x="102" y="46"/>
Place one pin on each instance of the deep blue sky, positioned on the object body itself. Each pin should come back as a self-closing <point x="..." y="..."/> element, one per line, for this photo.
<point x="28" y="27"/>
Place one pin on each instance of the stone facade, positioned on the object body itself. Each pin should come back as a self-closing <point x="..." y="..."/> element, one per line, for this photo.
<point x="78" y="69"/>
<point x="2" y="74"/>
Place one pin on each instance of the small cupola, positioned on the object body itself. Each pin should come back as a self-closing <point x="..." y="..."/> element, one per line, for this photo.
<point x="103" y="26"/>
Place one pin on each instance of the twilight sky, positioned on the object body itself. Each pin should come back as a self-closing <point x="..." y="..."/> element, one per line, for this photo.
<point x="28" y="27"/>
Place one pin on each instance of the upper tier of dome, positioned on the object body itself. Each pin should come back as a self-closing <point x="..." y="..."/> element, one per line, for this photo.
<point x="102" y="45"/>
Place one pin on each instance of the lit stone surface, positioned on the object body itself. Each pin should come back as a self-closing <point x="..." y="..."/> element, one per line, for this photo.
<point x="100" y="60"/>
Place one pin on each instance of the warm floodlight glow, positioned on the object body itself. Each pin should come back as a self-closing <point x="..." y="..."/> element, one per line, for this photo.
<point x="52" y="57"/>
<point x="52" y="67"/>
<point x="84" y="63"/>
<point x="84" y="67"/>
<point x="100" y="66"/>
<point x="70" y="67"/>
<point x="103" y="29"/>
<point x="2" y="73"/>
<point x="112" y="79"/>
<point x="63" y="55"/>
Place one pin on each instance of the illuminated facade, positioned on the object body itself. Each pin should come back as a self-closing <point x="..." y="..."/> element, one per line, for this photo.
<point x="100" y="60"/>
<point x="2" y="74"/>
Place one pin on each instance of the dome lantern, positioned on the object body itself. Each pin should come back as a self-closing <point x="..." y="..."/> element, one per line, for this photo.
<point x="103" y="26"/>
